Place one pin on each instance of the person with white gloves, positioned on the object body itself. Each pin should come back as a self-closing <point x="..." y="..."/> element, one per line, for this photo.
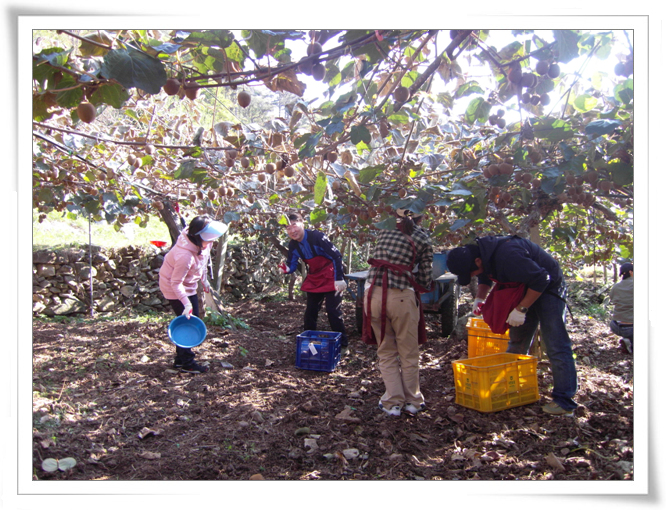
<point x="325" y="279"/>
<point x="512" y="259"/>
<point x="183" y="267"/>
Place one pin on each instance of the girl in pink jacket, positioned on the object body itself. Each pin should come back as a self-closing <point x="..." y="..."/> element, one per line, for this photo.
<point x="183" y="267"/>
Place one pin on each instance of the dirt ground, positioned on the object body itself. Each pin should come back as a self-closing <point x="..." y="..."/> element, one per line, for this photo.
<point x="104" y="394"/>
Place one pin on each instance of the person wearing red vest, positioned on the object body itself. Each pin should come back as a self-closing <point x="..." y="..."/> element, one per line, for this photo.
<point x="325" y="280"/>
<point x="401" y="269"/>
<point x="503" y="260"/>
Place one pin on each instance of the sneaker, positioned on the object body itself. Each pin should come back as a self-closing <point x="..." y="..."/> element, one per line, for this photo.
<point x="555" y="409"/>
<point x="394" y="411"/>
<point x="193" y="368"/>
<point x="625" y="343"/>
<point x="412" y="409"/>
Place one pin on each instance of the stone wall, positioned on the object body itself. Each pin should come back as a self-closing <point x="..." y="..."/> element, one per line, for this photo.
<point x="127" y="278"/>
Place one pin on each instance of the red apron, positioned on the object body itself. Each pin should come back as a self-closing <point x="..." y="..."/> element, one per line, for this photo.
<point x="368" y="335"/>
<point x="321" y="275"/>
<point x="503" y="298"/>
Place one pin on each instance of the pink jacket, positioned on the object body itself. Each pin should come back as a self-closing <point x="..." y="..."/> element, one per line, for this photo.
<point x="182" y="269"/>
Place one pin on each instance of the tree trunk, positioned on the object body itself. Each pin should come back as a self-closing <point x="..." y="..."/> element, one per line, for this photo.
<point x="218" y="258"/>
<point x="172" y="221"/>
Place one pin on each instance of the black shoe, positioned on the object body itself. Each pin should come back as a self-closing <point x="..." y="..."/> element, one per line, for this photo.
<point x="193" y="368"/>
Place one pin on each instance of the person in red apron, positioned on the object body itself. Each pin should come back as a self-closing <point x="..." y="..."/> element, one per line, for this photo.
<point x="401" y="269"/>
<point x="499" y="262"/>
<point x="325" y="279"/>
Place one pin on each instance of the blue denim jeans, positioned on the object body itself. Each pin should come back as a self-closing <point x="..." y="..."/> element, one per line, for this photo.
<point x="549" y="312"/>
<point x="625" y="331"/>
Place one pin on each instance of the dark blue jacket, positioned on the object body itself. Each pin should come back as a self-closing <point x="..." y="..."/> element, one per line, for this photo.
<point x="322" y="246"/>
<point x="514" y="259"/>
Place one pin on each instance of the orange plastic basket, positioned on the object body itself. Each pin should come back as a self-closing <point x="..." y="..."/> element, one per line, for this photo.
<point x="496" y="382"/>
<point x="481" y="341"/>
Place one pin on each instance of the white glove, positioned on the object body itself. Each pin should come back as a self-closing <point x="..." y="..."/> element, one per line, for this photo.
<point x="476" y="308"/>
<point x="204" y="284"/>
<point x="516" y="318"/>
<point x="188" y="310"/>
<point x="340" y="287"/>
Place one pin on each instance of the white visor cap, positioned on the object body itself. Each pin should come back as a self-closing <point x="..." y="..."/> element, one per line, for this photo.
<point x="213" y="230"/>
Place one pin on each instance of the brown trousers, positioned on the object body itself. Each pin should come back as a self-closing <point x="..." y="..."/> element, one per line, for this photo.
<point x="398" y="352"/>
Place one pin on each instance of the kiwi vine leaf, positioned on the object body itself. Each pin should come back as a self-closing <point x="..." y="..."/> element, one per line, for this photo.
<point x="400" y="121"/>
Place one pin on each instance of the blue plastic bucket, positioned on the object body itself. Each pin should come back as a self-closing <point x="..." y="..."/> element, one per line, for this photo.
<point x="186" y="332"/>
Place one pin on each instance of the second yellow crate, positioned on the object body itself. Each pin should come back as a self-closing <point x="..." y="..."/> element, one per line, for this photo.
<point x="495" y="382"/>
<point x="481" y="341"/>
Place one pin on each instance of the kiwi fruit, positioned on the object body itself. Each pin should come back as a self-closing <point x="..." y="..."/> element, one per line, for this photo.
<point x="402" y="192"/>
<point x="384" y="128"/>
<point x="505" y="168"/>
<point x="289" y="171"/>
<point x="336" y="185"/>
<point x="401" y="94"/>
<point x="528" y="80"/>
<point x="232" y="153"/>
<point x="86" y="112"/>
<point x="150" y="149"/>
<point x="229" y="162"/>
<point x="171" y="86"/>
<point x="245" y="162"/>
<point x="554" y="71"/>
<point x="493" y="120"/>
<point x="542" y="67"/>
<point x="261" y="177"/>
<point x="501" y="123"/>
<point x="244" y="99"/>
<point x="191" y="93"/>
<point x="515" y="75"/>
<point x="332" y="157"/>
<point x="535" y="99"/>
<point x="318" y="72"/>
<point x="527" y="178"/>
<point x="526" y="98"/>
<point x="493" y="169"/>
<point x="544" y="99"/>
<point x="314" y="48"/>
<point x="305" y="67"/>
<point x="270" y="168"/>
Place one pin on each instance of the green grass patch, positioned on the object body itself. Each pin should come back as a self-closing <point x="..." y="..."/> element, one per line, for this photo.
<point x="64" y="230"/>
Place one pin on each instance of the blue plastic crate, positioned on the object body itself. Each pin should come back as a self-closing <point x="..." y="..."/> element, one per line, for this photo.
<point x="318" y="350"/>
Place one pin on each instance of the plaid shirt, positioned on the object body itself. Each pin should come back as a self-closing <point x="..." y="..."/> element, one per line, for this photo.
<point x="394" y="247"/>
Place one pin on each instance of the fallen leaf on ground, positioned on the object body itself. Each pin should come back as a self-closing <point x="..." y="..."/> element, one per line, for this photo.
<point x="554" y="462"/>
<point x="150" y="455"/>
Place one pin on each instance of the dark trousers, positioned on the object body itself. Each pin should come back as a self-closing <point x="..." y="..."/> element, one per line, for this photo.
<point x="184" y="356"/>
<point x="623" y="330"/>
<point x="549" y="312"/>
<point x="333" y="310"/>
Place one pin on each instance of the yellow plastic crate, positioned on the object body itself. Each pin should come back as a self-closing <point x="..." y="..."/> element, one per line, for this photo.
<point x="481" y="341"/>
<point x="495" y="382"/>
